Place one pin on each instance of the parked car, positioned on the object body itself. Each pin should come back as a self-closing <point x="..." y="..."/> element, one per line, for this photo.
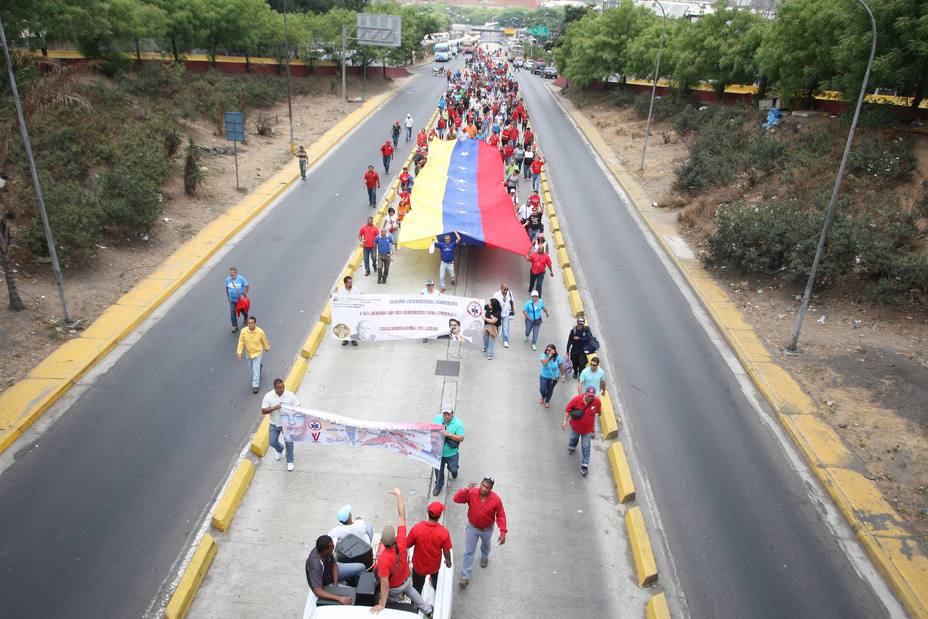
<point x="550" y="72"/>
<point x="539" y="68"/>
<point x="518" y="62"/>
<point x="528" y="64"/>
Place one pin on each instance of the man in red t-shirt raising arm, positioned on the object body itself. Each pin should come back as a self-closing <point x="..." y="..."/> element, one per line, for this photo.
<point x="484" y="507"/>
<point x="393" y="564"/>
<point x="536" y="274"/>
<point x="372" y="184"/>
<point x="430" y="540"/>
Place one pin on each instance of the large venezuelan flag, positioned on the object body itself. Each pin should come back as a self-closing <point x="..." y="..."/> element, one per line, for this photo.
<point x="461" y="189"/>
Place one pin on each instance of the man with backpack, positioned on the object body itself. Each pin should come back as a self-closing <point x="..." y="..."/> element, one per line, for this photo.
<point x="579" y="344"/>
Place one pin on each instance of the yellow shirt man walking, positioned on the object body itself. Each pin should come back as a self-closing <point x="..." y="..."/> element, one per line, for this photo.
<point x="253" y="341"/>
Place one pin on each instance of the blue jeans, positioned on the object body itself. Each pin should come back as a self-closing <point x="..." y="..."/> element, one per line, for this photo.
<point x="303" y="169"/>
<point x="372" y="196"/>
<point x="536" y="179"/>
<point x="585" y="440"/>
<point x="369" y="263"/>
<point x="273" y="438"/>
<point x="396" y="138"/>
<point x="408" y="133"/>
<point x="471" y="535"/>
<point x="255" y="370"/>
<point x="452" y="463"/>
<point x="386" y="164"/>
<point x="547" y="388"/>
<point x="349" y="572"/>
<point x="489" y="343"/>
<point x="233" y="313"/>
<point x="532" y="327"/>
<point x="504" y="327"/>
<point x="526" y="168"/>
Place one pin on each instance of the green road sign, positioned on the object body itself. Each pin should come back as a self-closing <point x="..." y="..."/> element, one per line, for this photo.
<point x="539" y="31"/>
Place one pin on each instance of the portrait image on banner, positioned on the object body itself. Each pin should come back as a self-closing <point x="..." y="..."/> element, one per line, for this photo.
<point x="420" y="441"/>
<point x="383" y="317"/>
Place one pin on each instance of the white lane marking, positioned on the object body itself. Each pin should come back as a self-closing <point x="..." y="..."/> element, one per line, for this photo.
<point x="833" y="519"/>
<point x="679" y="247"/>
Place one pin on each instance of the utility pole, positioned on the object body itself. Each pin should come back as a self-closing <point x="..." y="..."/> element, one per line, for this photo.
<point x="657" y="68"/>
<point x="49" y="238"/>
<point x="829" y="214"/>
<point x="289" y="97"/>
<point x="344" y="51"/>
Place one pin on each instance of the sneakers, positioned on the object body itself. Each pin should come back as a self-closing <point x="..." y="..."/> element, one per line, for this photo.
<point x="354" y="342"/>
<point x="463" y="583"/>
<point x="525" y="339"/>
<point x="344" y="342"/>
<point x="490" y="357"/>
<point x="570" y="451"/>
<point x="436" y="491"/>
<point x="276" y="455"/>
<point x="534" y="347"/>
<point x="289" y="466"/>
<point x="254" y="390"/>
<point x="234" y="329"/>
<point x="584" y="470"/>
<point x="483" y="561"/>
<point x="505" y="344"/>
<point x="454" y="475"/>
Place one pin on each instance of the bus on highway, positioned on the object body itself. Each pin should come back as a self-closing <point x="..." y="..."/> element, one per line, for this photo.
<point x="468" y="46"/>
<point x="442" y="52"/>
<point x="515" y="51"/>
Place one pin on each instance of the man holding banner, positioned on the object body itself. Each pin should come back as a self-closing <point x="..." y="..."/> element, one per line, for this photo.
<point x="453" y="433"/>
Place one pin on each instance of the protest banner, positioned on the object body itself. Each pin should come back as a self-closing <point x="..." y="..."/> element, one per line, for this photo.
<point x="420" y="441"/>
<point x="380" y="317"/>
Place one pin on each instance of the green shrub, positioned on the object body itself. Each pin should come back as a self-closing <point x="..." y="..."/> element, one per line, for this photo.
<point x="718" y="154"/>
<point x="76" y="221"/>
<point x="130" y="200"/>
<point x="765" y="152"/>
<point x="686" y="120"/>
<point x="666" y="106"/>
<point x="157" y="79"/>
<point x="623" y="97"/>
<point x="885" y="159"/>
<point x="193" y="175"/>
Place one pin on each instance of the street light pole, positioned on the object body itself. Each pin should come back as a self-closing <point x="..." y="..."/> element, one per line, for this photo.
<point x="289" y="97"/>
<point x="657" y="68"/>
<point x="49" y="238"/>
<point x="829" y="213"/>
<point x="344" y="51"/>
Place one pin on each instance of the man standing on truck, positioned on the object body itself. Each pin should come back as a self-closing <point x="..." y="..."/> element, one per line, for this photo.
<point x="430" y="541"/>
<point x="393" y="564"/>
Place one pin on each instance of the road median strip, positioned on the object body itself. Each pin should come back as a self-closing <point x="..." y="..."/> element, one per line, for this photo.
<point x="189" y="583"/>
<point x="657" y="608"/>
<point x="896" y="553"/>
<point x="232" y="496"/>
<point x="642" y="553"/>
<point x="621" y="473"/>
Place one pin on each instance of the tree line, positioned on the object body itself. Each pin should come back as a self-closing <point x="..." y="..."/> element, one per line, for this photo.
<point x="807" y="47"/>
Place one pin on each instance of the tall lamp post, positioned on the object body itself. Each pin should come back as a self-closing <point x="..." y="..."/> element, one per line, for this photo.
<point x="49" y="238"/>
<point x="287" y="64"/>
<point x="657" y="68"/>
<point x="829" y="213"/>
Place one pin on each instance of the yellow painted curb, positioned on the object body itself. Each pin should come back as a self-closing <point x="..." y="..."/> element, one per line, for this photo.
<point x="570" y="282"/>
<point x="233" y="495"/>
<point x="657" y="608"/>
<point x="576" y="305"/>
<point x="642" y="553"/>
<point x="21" y="407"/>
<point x="354" y="261"/>
<point x="562" y="258"/>
<point x="189" y="583"/>
<point x="326" y="315"/>
<point x="899" y="557"/>
<point x="312" y="342"/>
<point x="621" y="473"/>
<point x="260" y="441"/>
<point x="553" y="223"/>
<point x="558" y="239"/>
<point x="608" y="422"/>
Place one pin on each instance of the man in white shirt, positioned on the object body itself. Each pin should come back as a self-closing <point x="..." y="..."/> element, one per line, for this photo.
<point x="409" y="125"/>
<point x="429" y="290"/>
<point x="504" y="296"/>
<point x="347" y="291"/>
<point x="271" y="405"/>
<point x="351" y="526"/>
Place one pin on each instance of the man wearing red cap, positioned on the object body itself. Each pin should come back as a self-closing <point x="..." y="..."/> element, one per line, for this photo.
<point x="387" y="152"/>
<point x="430" y="541"/>
<point x="484" y="507"/>
<point x="581" y="411"/>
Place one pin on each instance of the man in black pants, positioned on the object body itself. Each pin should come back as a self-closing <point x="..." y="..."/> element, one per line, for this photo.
<point x="578" y="341"/>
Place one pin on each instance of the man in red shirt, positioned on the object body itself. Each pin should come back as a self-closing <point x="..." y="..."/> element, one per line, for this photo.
<point x="537" y="164"/>
<point x="367" y="235"/>
<point x="442" y="123"/>
<point x="387" y="151"/>
<point x="422" y="138"/>
<point x="534" y="200"/>
<point x="430" y="541"/>
<point x="393" y="564"/>
<point x="372" y="184"/>
<point x="581" y="411"/>
<point x="528" y="137"/>
<point x="484" y="507"/>
<point x="536" y="274"/>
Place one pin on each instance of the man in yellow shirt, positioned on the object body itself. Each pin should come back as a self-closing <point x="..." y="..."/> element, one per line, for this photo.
<point x="253" y="341"/>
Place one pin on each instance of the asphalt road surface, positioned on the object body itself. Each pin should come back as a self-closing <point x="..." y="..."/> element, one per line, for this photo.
<point x="744" y="536"/>
<point x="94" y="517"/>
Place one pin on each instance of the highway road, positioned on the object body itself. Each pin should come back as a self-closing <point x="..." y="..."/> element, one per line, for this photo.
<point x="94" y="517"/>
<point x="745" y="537"/>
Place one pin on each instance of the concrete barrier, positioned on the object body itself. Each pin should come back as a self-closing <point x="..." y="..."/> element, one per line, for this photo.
<point x="569" y="281"/>
<point x="642" y="553"/>
<point x="232" y="496"/>
<point x="621" y="473"/>
<point x="558" y="239"/>
<point x="657" y="608"/>
<point x="562" y="258"/>
<point x="326" y="315"/>
<point x="354" y="261"/>
<point x="576" y="305"/>
<point x="259" y="442"/>
<point x="312" y="342"/>
<point x="608" y="422"/>
<point x="189" y="583"/>
<point x="553" y="224"/>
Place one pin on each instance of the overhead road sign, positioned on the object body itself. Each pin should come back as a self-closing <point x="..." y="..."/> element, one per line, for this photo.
<point x="380" y="30"/>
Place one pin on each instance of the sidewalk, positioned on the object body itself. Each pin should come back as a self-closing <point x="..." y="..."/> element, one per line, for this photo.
<point x="566" y="554"/>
